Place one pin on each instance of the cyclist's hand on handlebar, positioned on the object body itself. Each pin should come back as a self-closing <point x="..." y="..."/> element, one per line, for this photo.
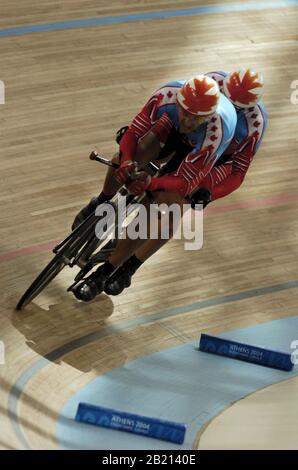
<point x="139" y="184"/>
<point x="201" y="196"/>
<point x="125" y="172"/>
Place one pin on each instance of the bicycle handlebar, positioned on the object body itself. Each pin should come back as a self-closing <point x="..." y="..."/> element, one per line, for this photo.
<point x="94" y="156"/>
<point x="123" y="190"/>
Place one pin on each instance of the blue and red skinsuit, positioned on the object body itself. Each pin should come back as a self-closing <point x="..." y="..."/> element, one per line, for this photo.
<point x="251" y="125"/>
<point x="209" y="140"/>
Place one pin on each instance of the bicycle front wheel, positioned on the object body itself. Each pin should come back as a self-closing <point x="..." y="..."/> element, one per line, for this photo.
<point x="52" y="269"/>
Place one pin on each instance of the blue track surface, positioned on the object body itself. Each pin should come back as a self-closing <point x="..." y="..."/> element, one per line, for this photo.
<point x="178" y="384"/>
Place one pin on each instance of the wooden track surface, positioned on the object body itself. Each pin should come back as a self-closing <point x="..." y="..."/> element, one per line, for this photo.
<point x="256" y="417"/>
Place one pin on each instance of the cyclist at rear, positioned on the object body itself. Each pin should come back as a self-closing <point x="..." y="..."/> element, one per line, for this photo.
<point x="244" y="88"/>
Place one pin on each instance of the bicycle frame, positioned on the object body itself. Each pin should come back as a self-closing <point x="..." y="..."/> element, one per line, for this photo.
<point x="79" y="247"/>
<point x="85" y="233"/>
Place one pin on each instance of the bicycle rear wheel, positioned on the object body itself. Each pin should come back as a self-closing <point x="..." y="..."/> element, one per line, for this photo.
<point x="52" y="269"/>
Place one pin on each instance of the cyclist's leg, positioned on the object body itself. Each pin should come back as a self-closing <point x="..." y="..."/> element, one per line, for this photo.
<point x="156" y="224"/>
<point x="126" y="247"/>
<point x="163" y="225"/>
<point x="95" y="283"/>
<point x="173" y="151"/>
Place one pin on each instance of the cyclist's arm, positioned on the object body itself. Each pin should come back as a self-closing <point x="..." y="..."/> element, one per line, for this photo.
<point x="146" y="121"/>
<point x="226" y="178"/>
<point x="191" y="172"/>
<point x="250" y="130"/>
<point x="198" y="163"/>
